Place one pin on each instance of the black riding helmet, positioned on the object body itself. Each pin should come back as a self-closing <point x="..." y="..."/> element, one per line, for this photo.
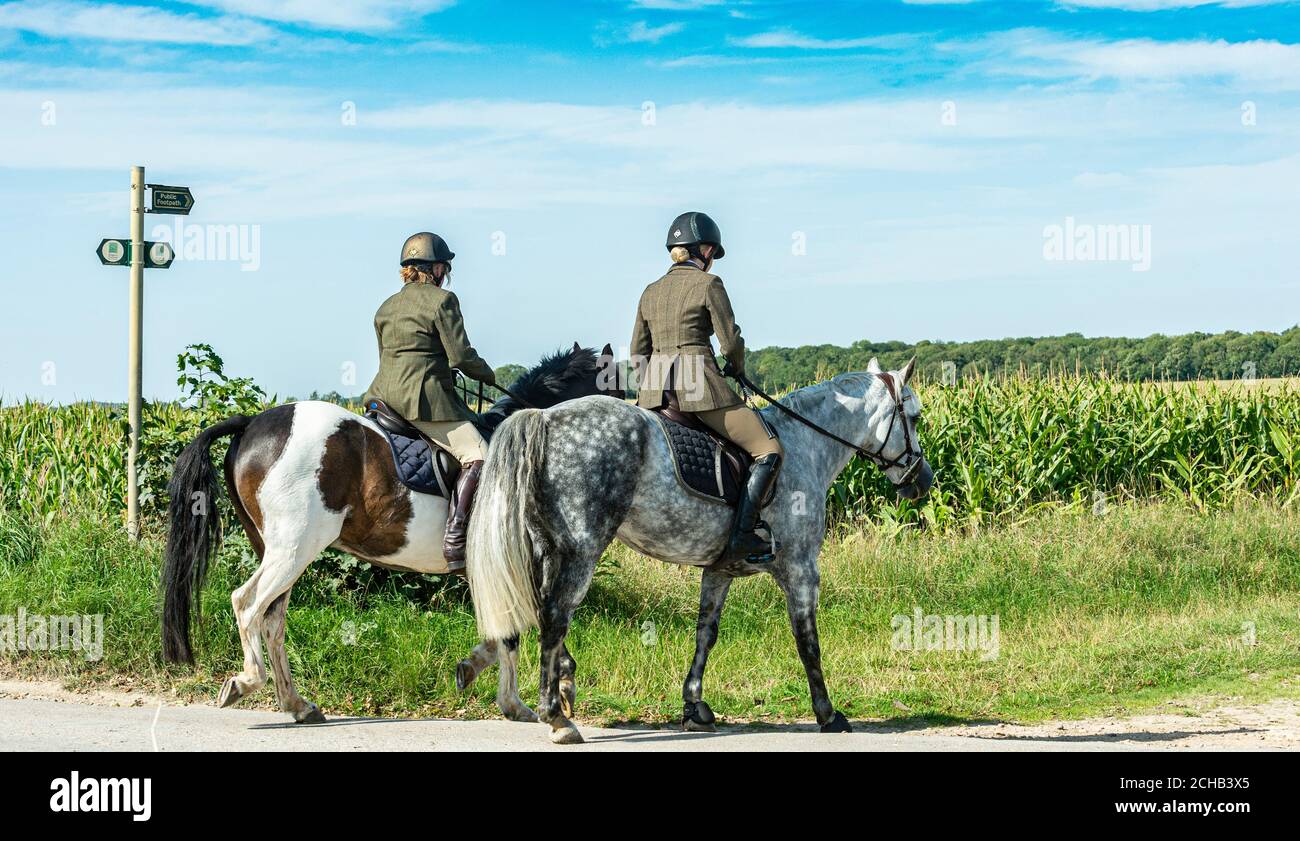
<point x="425" y="247"/>
<point x="694" y="229"/>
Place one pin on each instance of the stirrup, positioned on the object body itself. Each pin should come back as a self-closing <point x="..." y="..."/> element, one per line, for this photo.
<point x="772" y="545"/>
<point x="762" y="551"/>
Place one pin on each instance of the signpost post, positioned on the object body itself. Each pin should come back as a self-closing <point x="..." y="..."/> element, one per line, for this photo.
<point x="135" y="364"/>
<point x="139" y="255"/>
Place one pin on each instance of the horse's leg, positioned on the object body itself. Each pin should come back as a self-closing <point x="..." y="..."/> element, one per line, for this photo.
<point x="696" y="714"/>
<point x="506" y="655"/>
<point x="302" y="710"/>
<point x="281" y="566"/>
<point x="801" y="603"/>
<point x="254" y="674"/>
<point x="568" y="682"/>
<point x="555" y="618"/>
<point x="559" y="601"/>
<point x="512" y="706"/>
<point x="483" y="655"/>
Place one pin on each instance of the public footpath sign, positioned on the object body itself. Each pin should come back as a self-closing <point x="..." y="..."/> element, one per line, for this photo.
<point x="175" y="200"/>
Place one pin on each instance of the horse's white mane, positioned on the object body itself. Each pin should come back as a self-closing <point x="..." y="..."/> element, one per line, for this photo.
<point x="855" y="383"/>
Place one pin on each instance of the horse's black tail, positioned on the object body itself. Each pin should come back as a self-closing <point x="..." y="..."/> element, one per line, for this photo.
<point x="194" y="533"/>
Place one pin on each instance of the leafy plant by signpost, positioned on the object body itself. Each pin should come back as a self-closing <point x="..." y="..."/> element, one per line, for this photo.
<point x="209" y="395"/>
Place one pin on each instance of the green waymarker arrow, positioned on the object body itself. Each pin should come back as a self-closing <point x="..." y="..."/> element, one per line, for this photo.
<point x="175" y="200"/>
<point x="117" y="252"/>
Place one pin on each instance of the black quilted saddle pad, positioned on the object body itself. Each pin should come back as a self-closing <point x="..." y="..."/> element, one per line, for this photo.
<point x="700" y="463"/>
<point x="415" y="465"/>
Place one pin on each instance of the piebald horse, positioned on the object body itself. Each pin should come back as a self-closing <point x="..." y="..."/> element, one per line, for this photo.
<point x="310" y="475"/>
<point x="559" y="485"/>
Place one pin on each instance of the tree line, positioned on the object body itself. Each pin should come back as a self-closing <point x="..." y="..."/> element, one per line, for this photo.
<point x="1192" y="356"/>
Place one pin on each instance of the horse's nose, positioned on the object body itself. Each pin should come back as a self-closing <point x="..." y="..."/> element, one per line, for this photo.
<point x="919" y="487"/>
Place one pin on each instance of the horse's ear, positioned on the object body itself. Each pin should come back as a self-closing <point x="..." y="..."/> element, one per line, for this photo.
<point x="607" y="350"/>
<point x="906" y="373"/>
<point x="873" y="367"/>
<point x="576" y="347"/>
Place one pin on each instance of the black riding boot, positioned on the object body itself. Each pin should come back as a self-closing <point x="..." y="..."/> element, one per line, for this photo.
<point x="453" y="544"/>
<point x="746" y="544"/>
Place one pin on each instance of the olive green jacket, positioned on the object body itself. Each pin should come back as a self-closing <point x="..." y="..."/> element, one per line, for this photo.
<point x="670" y="340"/>
<point x="421" y="339"/>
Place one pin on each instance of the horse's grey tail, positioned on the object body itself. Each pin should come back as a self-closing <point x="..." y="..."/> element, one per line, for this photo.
<point x="194" y="533"/>
<point x="499" y="551"/>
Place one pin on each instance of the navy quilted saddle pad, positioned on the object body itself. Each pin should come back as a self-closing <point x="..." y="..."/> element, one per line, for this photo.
<point x="415" y="462"/>
<point x="703" y="467"/>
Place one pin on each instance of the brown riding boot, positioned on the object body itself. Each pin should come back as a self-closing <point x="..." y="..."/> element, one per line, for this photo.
<point x="453" y="544"/>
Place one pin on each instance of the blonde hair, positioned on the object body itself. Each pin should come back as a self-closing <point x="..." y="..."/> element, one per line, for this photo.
<point x="680" y="254"/>
<point x="413" y="274"/>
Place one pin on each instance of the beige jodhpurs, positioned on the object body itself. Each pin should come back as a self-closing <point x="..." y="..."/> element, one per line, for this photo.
<point x="742" y="425"/>
<point x="460" y="438"/>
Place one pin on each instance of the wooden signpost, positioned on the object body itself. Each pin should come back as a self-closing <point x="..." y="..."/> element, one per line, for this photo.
<point x="140" y="255"/>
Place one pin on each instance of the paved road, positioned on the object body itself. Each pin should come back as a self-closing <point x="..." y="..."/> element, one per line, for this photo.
<point x="43" y="724"/>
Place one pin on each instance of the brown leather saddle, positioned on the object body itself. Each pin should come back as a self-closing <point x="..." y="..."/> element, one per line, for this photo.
<point x="422" y="465"/>
<point x="707" y="464"/>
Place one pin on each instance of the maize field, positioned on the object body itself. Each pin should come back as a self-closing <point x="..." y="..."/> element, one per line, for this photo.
<point x="1001" y="448"/>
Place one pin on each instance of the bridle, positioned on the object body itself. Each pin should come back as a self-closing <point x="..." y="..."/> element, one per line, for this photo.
<point x="910" y="460"/>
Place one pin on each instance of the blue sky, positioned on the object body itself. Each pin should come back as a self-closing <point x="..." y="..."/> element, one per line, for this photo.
<point x="881" y="170"/>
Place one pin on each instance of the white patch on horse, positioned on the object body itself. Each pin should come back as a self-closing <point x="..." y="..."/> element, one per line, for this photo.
<point x="293" y="507"/>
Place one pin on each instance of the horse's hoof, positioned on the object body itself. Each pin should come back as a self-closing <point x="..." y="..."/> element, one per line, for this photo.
<point x="465" y="675"/>
<point x="230" y="693"/>
<point x="566" y="735"/>
<point x="313" y="716"/>
<point x="568" y="697"/>
<point x="522" y="713"/>
<point x="697" y="717"/>
<point x="837" y="724"/>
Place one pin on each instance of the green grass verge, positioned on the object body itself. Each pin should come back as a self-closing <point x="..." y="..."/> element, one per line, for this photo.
<point x="1096" y="615"/>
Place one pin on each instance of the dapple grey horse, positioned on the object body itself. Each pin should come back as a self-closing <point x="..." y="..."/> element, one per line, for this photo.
<point x="559" y="485"/>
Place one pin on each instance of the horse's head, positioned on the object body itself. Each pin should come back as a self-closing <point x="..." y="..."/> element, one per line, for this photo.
<point x="893" y="412"/>
<point x="560" y="376"/>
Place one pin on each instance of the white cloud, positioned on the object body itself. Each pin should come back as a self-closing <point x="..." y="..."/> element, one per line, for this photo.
<point x="362" y="15"/>
<point x="638" y="33"/>
<point x="789" y="38"/>
<point x="113" y="22"/>
<point x="1269" y="63"/>
<point x="676" y="5"/>
<point x="1159" y="5"/>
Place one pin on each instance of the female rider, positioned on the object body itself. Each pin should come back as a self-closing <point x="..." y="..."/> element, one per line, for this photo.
<point x="421" y="339"/>
<point x="671" y="347"/>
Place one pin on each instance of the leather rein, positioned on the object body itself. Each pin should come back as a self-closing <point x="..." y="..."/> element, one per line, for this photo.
<point x="910" y="452"/>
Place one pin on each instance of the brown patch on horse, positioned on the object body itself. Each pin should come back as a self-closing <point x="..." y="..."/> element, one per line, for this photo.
<point x="357" y="474"/>
<point x="250" y="457"/>
<point x="251" y="528"/>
